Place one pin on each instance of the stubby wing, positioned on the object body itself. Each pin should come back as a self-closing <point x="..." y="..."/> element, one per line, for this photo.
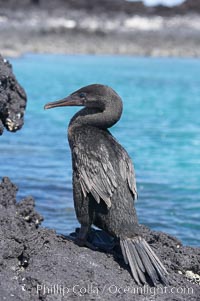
<point x="95" y="171"/>
<point x="126" y="168"/>
<point x="128" y="173"/>
<point x="102" y="166"/>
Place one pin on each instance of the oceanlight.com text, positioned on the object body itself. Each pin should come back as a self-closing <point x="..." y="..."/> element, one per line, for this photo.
<point x="81" y="289"/>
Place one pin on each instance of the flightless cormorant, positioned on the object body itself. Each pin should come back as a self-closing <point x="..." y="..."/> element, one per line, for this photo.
<point x="104" y="186"/>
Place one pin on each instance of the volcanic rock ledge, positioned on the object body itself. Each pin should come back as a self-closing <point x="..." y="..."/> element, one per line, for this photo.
<point x="38" y="264"/>
<point x="12" y="99"/>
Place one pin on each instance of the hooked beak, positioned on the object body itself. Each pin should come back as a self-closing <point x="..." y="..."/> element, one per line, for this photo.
<point x="71" y="100"/>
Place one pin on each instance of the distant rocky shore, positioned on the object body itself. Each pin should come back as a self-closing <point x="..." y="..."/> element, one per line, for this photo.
<point x="99" y="27"/>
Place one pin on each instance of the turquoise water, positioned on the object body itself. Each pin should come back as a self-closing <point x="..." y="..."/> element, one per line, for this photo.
<point x="160" y="128"/>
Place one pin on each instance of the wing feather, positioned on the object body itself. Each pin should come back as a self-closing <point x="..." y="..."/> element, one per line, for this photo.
<point x="97" y="175"/>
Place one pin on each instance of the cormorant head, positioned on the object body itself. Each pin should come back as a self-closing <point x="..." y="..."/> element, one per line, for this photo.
<point x="92" y="96"/>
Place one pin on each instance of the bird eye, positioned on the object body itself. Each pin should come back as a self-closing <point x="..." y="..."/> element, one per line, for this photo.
<point x="82" y="95"/>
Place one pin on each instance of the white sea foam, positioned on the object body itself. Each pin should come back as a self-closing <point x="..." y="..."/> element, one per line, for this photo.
<point x="144" y="23"/>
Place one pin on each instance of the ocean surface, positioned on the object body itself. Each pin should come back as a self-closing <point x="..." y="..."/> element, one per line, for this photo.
<point x="160" y="128"/>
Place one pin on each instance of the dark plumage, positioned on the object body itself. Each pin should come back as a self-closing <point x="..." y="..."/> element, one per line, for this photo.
<point x="104" y="184"/>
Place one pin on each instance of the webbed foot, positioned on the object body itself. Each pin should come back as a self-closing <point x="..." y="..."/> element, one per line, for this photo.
<point x="85" y="243"/>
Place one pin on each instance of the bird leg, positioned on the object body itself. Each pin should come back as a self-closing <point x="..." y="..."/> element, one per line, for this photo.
<point x="81" y="239"/>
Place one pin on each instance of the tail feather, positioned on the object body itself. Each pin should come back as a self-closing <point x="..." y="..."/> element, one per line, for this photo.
<point x="142" y="261"/>
<point x="147" y="263"/>
<point x="123" y="251"/>
<point x="138" y="263"/>
<point x="131" y="261"/>
<point x="156" y="262"/>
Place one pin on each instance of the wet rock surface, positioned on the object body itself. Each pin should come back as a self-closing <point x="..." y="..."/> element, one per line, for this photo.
<point x="12" y="99"/>
<point x="38" y="264"/>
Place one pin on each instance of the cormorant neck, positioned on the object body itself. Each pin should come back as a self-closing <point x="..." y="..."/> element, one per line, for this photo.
<point x="101" y="118"/>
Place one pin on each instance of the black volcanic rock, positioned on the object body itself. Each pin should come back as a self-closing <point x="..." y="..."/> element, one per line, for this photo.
<point x="190" y="6"/>
<point x="92" y="5"/>
<point x="187" y="7"/>
<point x="37" y="264"/>
<point x="12" y="99"/>
<point x="108" y="7"/>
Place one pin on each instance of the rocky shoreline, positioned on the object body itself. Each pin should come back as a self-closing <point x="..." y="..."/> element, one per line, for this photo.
<point x="78" y="29"/>
<point x="38" y="264"/>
